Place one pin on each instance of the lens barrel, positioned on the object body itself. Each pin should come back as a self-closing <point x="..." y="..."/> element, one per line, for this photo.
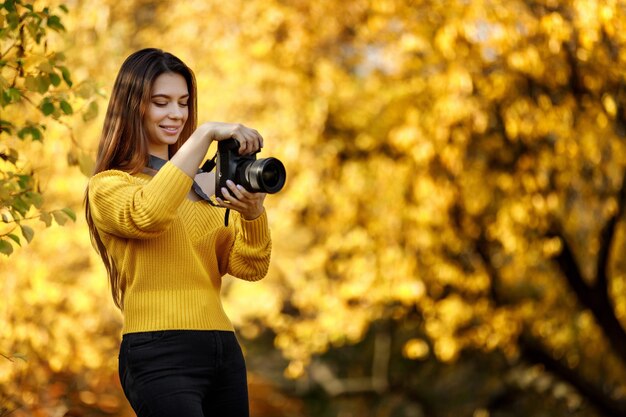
<point x="266" y="175"/>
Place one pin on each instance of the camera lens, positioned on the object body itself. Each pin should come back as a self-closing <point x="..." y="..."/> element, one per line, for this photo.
<point x="267" y="175"/>
<point x="271" y="175"/>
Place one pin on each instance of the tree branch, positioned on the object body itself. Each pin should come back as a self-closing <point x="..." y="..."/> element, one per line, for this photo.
<point x="607" y="236"/>
<point x="494" y="278"/>
<point x="535" y="353"/>
<point x="595" y="298"/>
<point x="569" y="266"/>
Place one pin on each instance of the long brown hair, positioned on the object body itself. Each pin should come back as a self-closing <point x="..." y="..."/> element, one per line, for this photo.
<point x="123" y="142"/>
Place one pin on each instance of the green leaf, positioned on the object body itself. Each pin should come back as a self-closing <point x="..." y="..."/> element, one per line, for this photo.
<point x="66" y="107"/>
<point x="54" y="23"/>
<point x="85" y="90"/>
<point x="4" y="99"/>
<point x="66" y="75"/>
<point x="34" y="30"/>
<point x="25" y="181"/>
<point x="64" y="8"/>
<point x="91" y="112"/>
<point x="59" y="217"/>
<point x="46" y="218"/>
<point x="13" y="19"/>
<point x="69" y="212"/>
<point x="36" y="133"/>
<point x="58" y="56"/>
<point x="46" y="67"/>
<point x="55" y="79"/>
<point x="27" y="232"/>
<point x="33" y="131"/>
<point x="15" y="238"/>
<point x="32" y="84"/>
<point x="39" y="84"/>
<point x="47" y="108"/>
<point x="44" y="83"/>
<point x="14" y="94"/>
<point x="20" y="206"/>
<point x="5" y="247"/>
<point x="6" y="126"/>
<point x="23" y="132"/>
<point x="9" y="5"/>
<point x="34" y="198"/>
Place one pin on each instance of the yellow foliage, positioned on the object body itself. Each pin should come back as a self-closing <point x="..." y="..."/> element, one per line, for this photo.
<point x="416" y="349"/>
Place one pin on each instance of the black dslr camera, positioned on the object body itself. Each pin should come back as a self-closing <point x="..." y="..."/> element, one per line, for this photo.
<point x="265" y="175"/>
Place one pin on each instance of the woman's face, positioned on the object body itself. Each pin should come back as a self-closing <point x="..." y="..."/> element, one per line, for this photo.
<point x="167" y="112"/>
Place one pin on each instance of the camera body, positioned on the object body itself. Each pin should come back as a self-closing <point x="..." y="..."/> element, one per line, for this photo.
<point x="264" y="175"/>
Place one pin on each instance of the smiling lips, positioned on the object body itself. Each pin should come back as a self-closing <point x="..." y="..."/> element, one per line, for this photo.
<point x="170" y="129"/>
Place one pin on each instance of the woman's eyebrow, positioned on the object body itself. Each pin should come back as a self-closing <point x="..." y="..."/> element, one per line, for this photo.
<point x="168" y="96"/>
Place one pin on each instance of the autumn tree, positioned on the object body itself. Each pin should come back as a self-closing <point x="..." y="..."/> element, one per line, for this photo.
<point x="36" y="90"/>
<point x="40" y="104"/>
<point x="458" y="165"/>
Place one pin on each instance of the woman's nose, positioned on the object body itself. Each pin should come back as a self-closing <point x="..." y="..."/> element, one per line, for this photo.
<point x="175" y="112"/>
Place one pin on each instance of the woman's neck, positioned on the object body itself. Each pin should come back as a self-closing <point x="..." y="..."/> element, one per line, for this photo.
<point x="159" y="151"/>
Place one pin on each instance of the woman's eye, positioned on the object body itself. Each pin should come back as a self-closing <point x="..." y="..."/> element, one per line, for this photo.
<point x="160" y="104"/>
<point x="185" y="104"/>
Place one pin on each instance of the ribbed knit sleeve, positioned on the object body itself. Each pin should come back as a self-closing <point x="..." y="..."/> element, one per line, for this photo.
<point x="122" y="207"/>
<point x="250" y="255"/>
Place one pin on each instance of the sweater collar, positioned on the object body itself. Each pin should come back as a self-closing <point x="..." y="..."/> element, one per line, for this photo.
<point x="156" y="163"/>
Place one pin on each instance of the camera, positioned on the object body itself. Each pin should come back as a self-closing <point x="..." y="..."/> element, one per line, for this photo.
<point x="265" y="175"/>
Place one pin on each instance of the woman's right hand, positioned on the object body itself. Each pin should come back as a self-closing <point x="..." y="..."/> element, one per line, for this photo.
<point x="192" y="152"/>
<point x="250" y="140"/>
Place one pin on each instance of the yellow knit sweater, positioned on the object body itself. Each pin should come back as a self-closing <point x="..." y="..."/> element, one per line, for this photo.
<point x="172" y="252"/>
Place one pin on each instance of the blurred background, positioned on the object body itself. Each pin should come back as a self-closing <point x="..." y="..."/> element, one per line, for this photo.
<point x="450" y="240"/>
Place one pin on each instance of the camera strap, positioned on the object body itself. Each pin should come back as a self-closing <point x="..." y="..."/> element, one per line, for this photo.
<point x="209" y="164"/>
<point x="157" y="163"/>
<point x="208" y="167"/>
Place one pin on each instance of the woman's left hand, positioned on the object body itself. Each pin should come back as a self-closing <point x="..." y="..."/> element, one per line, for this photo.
<point x="249" y="205"/>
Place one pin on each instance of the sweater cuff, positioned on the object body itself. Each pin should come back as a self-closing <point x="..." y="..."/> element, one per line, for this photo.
<point x="255" y="232"/>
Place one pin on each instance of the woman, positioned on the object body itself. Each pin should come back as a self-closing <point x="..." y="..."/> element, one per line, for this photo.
<point x="166" y="249"/>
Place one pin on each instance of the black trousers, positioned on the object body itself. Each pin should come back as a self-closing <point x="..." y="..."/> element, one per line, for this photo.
<point x="184" y="373"/>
